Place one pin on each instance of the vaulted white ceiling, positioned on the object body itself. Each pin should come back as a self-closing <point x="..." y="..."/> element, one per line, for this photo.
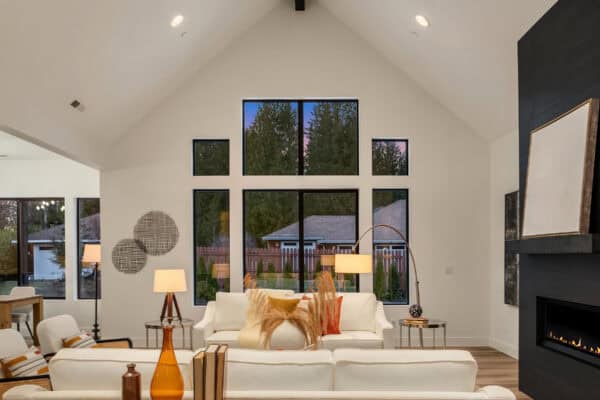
<point x="466" y="58"/>
<point x="120" y="58"/>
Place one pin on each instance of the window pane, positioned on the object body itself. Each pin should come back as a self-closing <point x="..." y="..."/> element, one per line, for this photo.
<point x="9" y="272"/>
<point x="89" y="233"/>
<point x="271" y="238"/>
<point x="330" y="221"/>
<point x="330" y="137"/>
<point x="44" y="224"/>
<point x="390" y="157"/>
<point x="211" y="233"/>
<point x="270" y="138"/>
<point x="211" y="157"/>
<point x="390" y="276"/>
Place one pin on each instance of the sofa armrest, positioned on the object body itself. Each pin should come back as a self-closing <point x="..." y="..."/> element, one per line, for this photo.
<point x="493" y="392"/>
<point x="206" y="327"/>
<point x="384" y="328"/>
<point x="19" y="388"/>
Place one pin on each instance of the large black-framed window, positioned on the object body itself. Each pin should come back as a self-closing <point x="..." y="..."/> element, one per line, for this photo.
<point x="286" y="232"/>
<point x="300" y="137"/>
<point x="88" y="232"/>
<point x="32" y="245"/>
<point x="390" y="256"/>
<point x="211" y="244"/>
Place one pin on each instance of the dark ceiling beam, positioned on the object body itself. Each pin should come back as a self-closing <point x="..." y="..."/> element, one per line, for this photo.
<point x="300" y="6"/>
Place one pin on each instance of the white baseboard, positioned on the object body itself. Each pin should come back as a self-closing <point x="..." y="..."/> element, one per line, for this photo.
<point x="504" y="347"/>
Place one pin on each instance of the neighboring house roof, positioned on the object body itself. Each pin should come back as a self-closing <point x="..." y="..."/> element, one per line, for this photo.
<point x="337" y="229"/>
<point x="89" y="230"/>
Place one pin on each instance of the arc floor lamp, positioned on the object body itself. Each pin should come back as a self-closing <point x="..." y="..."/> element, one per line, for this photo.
<point x="354" y="263"/>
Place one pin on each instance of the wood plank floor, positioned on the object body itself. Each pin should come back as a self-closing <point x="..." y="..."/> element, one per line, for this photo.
<point x="496" y="368"/>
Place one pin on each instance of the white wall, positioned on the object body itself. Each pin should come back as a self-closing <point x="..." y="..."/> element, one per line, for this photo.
<point x="56" y="178"/>
<point x="504" y="178"/>
<point x="302" y="55"/>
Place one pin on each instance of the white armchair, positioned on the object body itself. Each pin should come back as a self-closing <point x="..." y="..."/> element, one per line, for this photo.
<point x="363" y="323"/>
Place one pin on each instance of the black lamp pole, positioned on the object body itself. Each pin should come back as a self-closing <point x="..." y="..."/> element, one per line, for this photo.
<point x="96" y="329"/>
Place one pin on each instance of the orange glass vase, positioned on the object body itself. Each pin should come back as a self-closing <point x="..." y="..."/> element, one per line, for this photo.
<point x="167" y="382"/>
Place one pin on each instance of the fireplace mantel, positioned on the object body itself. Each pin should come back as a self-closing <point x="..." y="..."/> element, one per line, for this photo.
<point x="565" y="244"/>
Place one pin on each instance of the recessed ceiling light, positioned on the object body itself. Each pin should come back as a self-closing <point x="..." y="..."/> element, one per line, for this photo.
<point x="3" y="155"/>
<point x="176" y="21"/>
<point x="421" y="20"/>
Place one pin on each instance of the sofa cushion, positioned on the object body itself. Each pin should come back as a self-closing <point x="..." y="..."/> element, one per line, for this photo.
<point x="279" y="370"/>
<point x="427" y="370"/>
<point x="358" y="312"/>
<point x="352" y="339"/>
<point x="230" y="338"/>
<point x="231" y="311"/>
<point x="101" y="369"/>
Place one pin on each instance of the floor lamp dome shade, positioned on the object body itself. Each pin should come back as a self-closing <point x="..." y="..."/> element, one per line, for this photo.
<point x="92" y="255"/>
<point x="357" y="263"/>
<point x="170" y="281"/>
<point x="353" y="263"/>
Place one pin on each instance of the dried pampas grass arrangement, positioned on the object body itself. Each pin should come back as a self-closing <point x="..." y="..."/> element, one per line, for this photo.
<point x="326" y="299"/>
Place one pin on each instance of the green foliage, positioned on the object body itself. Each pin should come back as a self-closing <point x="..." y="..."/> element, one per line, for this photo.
<point x="211" y="157"/>
<point x="211" y="216"/>
<point x="267" y="211"/>
<point x="272" y="140"/>
<point x="272" y="279"/>
<point x="260" y="269"/>
<point x="287" y="270"/>
<point x="388" y="159"/>
<point x="318" y="267"/>
<point x="206" y="286"/>
<point x="394" y="285"/>
<point x="8" y="251"/>
<point x="379" y="281"/>
<point x="333" y="135"/>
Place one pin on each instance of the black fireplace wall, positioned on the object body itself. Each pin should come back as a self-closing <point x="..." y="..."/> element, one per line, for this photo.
<point x="559" y="67"/>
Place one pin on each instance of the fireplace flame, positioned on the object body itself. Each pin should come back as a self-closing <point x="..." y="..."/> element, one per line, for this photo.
<point x="575" y="343"/>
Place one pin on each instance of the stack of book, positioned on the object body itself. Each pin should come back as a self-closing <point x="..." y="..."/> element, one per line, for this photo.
<point x="209" y="373"/>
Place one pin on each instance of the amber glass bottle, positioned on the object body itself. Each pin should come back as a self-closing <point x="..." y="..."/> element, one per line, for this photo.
<point x="132" y="384"/>
<point x="167" y="382"/>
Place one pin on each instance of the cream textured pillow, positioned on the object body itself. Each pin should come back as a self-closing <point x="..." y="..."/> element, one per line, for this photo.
<point x="30" y="363"/>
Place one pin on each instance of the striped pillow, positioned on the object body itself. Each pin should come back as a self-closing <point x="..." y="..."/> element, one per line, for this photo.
<point x="30" y="363"/>
<point x="79" y="341"/>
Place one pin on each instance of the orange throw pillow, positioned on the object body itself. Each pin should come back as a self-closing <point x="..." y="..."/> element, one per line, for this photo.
<point x="333" y="321"/>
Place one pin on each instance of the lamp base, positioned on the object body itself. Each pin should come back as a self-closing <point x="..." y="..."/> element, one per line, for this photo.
<point x="167" y="309"/>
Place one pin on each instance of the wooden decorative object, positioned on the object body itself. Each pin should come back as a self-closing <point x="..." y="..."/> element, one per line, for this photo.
<point x="558" y="189"/>
<point x="128" y="256"/>
<point x="156" y="232"/>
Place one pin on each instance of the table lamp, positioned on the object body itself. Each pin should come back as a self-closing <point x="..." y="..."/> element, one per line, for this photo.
<point x="92" y="255"/>
<point x="220" y="271"/>
<point x="169" y="281"/>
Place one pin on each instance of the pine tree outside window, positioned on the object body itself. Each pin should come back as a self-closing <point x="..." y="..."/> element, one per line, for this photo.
<point x="300" y="137"/>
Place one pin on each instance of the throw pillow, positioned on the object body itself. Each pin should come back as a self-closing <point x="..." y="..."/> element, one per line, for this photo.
<point x="284" y="304"/>
<point x="30" y="363"/>
<point x="79" y="341"/>
<point x="333" y="321"/>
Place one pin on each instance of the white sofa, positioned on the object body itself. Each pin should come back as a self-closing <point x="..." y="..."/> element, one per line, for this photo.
<point x="344" y="374"/>
<point x="363" y="323"/>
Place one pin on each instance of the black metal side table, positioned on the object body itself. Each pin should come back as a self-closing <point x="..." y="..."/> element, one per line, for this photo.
<point x="432" y="324"/>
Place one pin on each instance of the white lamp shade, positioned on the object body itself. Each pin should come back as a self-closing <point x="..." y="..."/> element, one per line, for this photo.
<point x="91" y="254"/>
<point x="353" y="263"/>
<point x="169" y="281"/>
<point x="220" y="271"/>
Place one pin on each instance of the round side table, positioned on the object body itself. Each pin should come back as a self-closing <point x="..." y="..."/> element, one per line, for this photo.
<point x="433" y="324"/>
<point x="157" y="326"/>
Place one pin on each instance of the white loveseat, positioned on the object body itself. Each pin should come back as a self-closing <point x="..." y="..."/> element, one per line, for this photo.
<point x="363" y="323"/>
<point x="344" y="374"/>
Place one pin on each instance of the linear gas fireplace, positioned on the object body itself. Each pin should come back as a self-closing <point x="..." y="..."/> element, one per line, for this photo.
<point x="569" y="328"/>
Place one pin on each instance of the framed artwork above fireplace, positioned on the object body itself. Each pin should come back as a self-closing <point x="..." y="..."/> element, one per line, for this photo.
<point x="558" y="185"/>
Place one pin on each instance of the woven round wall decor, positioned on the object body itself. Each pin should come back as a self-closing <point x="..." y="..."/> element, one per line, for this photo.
<point x="128" y="256"/>
<point x="157" y="233"/>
